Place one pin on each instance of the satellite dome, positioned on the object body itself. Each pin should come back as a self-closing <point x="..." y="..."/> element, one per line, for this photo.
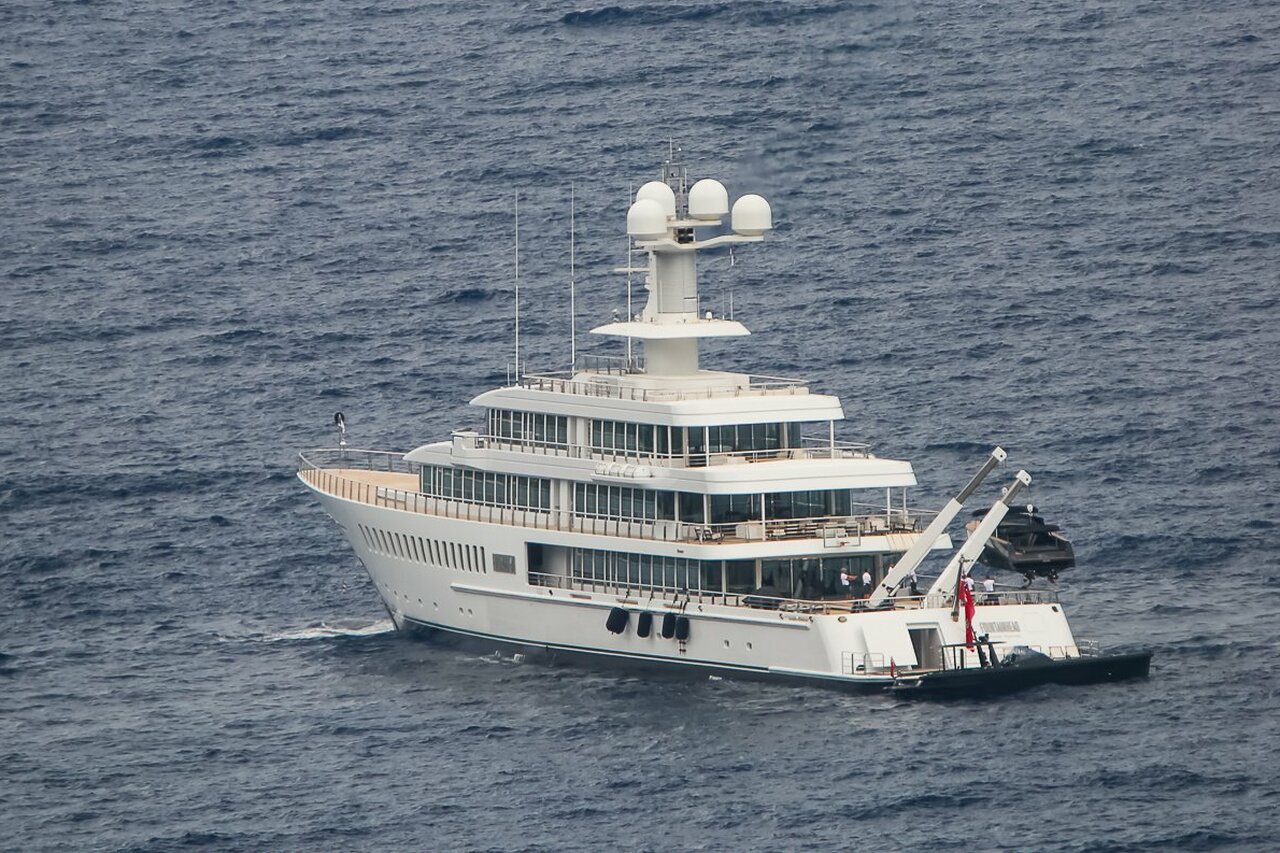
<point x="752" y="216"/>
<point x="646" y="220"/>
<point x="708" y="199"/>
<point x="661" y="193"/>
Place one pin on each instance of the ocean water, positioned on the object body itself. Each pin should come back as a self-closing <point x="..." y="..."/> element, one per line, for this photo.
<point x="1052" y="225"/>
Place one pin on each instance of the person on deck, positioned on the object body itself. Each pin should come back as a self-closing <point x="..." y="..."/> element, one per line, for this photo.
<point x="866" y="583"/>
<point x="989" y="587"/>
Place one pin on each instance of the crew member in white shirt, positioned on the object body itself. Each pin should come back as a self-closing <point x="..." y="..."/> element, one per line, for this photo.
<point x="989" y="587"/>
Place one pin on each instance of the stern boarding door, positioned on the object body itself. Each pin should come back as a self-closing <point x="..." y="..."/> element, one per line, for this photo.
<point x="926" y="640"/>
<point x="887" y="642"/>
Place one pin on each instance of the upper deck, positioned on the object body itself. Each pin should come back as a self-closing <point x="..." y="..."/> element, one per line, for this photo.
<point x="624" y="378"/>
<point x="391" y="480"/>
<point x="622" y="388"/>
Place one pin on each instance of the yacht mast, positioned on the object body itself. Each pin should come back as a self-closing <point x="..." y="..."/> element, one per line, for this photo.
<point x="573" y="313"/>
<point x="517" y="252"/>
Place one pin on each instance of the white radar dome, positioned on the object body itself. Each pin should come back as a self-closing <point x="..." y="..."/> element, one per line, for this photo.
<point x="661" y="193"/>
<point x="708" y="199"/>
<point x="752" y="216"/>
<point x="646" y="220"/>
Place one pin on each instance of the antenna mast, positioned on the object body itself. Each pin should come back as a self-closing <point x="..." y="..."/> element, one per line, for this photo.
<point x="573" y="313"/>
<point x="630" y="312"/>
<point x="517" y="286"/>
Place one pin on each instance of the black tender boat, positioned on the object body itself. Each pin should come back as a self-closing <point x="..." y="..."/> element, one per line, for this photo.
<point x="1020" y="669"/>
<point x="1025" y="543"/>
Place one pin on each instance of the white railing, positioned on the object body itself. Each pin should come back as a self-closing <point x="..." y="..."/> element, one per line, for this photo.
<point x="677" y="596"/>
<point x="863" y="664"/>
<point x="818" y="447"/>
<point x="317" y="468"/>
<point x="810" y="449"/>
<point x="569" y="382"/>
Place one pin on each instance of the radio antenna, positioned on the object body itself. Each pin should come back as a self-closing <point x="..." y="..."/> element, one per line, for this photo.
<point x="573" y="312"/>
<point x="517" y="247"/>
<point x="630" y="316"/>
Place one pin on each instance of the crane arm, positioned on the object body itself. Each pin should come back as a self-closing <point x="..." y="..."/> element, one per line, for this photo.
<point x="972" y="548"/>
<point x="920" y="549"/>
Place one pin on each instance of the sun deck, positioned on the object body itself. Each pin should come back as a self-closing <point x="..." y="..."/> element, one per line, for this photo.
<point x="627" y="379"/>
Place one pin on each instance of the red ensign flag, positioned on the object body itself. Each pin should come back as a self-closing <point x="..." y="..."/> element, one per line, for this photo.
<point x="966" y="598"/>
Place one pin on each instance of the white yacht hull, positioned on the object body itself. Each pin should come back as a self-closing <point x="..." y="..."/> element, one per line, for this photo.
<point x="495" y="611"/>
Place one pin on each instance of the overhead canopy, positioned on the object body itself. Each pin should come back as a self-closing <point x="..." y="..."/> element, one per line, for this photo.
<point x="695" y="328"/>
<point x="749" y="408"/>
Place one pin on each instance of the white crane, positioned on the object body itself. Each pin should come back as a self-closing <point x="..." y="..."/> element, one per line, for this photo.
<point x="916" y="553"/>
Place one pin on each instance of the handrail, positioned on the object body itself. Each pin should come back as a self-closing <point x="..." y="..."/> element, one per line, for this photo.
<point x="565" y="382"/>
<point x="809" y="449"/>
<point x="679" y="595"/>
<point x="314" y="468"/>
<point x="356" y="458"/>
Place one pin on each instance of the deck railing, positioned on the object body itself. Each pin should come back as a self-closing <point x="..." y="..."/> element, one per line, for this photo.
<point x="607" y="385"/>
<point x="316" y="467"/>
<point x="811" y="448"/>
<point x="675" y="597"/>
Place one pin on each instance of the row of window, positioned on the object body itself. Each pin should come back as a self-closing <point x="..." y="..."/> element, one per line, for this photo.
<point x="624" y="437"/>
<point x="529" y="426"/>
<point x="735" y="438"/>
<point x="627" y="437"/>
<point x="815" y="578"/>
<point x="780" y="505"/>
<point x="810" y="578"/>
<point x="646" y="505"/>
<point x="508" y="490"/>
<point x="432" y="552"/>
<point x="645" y="570"/>
<point x="630" y="504"/>
<point x="627" y="503"/>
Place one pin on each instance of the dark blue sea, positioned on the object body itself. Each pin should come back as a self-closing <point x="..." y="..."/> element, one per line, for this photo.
<point x="1052" y="225"/>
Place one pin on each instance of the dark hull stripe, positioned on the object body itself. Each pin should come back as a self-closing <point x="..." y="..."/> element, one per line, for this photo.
<point x="480" y="641"/>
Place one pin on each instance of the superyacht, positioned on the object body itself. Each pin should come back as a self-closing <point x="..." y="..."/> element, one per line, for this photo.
<point x="647" y="510"/>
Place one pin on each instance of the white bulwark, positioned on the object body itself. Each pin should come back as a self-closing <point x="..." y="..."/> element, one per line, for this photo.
<point x="649" y="510"/>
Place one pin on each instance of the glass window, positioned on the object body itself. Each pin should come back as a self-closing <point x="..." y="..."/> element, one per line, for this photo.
<point x="711" y="575"/>
<point x="732" y="509"/>
<point x="740" y="576"/>
<point x="692" y="508"/>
